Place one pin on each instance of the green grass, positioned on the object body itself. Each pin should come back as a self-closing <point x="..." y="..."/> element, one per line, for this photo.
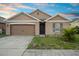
<point x="51" y="42"/>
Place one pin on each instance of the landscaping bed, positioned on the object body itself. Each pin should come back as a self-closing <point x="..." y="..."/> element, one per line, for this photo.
<point x="52" y="42"/>
<point x="3" y="34"/>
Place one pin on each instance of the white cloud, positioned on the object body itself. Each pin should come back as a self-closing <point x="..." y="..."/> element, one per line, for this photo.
<point x="41" y="4"/>
<point x="7" y="8"/>
<point x="7" y="14"/>
<point x="53" y="5"/>
<point x="75" y="4"/>
<point x="69" y="8"/>
<point x="44" y="4"/>
<point x="16" y="5"/>
<point x="22" y="6"/>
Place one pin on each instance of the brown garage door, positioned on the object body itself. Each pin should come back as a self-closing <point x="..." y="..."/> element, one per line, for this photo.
<point x="22" y="29"/>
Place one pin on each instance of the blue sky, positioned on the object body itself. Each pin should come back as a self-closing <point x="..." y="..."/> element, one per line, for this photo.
<point x="70" y="10"/>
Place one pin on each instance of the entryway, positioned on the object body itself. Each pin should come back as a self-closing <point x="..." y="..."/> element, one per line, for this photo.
<point x="42" y="28"/>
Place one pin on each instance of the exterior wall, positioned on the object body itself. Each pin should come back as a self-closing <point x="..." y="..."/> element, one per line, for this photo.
<point x="37" y="28"/>
<point x="7" y="29"/>
<point x="3" y="26"/>
<point x="49" y="27"/>
<point x="66" y="25"/>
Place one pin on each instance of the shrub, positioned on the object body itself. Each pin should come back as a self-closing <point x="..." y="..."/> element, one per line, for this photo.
<point x="69" y="34"/>
<point x="3" y="32"/>
<point x="77" y="29"/>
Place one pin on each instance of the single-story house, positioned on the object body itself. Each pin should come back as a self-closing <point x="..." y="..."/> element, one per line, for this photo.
<point x="75" y="22"/>
<point x="36" y="23"/>
<point x="2" y="24"/>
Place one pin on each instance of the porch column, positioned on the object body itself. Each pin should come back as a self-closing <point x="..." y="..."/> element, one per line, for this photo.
<point x="37" y="28"/>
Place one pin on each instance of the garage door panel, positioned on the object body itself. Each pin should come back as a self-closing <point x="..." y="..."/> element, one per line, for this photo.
<point x="22" y="29"/>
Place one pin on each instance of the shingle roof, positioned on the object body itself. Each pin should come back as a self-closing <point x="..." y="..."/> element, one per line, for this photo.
<point x="59" y="15"/>
<point x="24" y="14"/>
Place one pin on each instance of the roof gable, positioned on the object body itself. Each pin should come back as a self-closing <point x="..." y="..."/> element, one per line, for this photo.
<point x="57" y="17"/>
<point x="22" y="16"/>
<point x="40" y="15"/>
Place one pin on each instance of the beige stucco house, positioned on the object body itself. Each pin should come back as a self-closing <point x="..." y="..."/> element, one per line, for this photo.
<point x="36" y="23"/>
<point x="75" y="22"/>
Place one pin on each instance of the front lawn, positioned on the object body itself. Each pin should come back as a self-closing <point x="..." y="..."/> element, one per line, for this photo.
<point x="52" y="42"/>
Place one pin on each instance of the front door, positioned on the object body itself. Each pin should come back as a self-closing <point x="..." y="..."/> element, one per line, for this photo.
<point x="42" y="27"/>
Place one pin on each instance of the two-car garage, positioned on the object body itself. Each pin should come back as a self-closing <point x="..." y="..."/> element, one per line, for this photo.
<point x="22" y="29"/>
<point x="22" y="24"/>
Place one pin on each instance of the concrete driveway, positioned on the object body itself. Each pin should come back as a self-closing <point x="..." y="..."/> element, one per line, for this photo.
<point x="14" y="45"/>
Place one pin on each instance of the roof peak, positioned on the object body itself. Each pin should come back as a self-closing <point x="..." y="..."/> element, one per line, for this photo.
<point x="40" y="11"/>
<point x="22" y="13"/>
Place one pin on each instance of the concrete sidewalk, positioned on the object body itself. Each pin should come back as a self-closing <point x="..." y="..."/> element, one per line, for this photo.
<point x="51" y="52"/>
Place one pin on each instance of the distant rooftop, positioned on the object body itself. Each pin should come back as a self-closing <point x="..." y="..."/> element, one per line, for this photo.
<point x="2" y="19"/>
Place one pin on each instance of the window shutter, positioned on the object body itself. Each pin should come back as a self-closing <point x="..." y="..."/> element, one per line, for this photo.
<point x="53" y="27"/>
<point x="61" y="26"/>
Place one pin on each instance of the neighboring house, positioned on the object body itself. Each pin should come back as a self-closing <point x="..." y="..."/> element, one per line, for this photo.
<point x="36" y="23"/>
<point x="75" y="22"/>
<point x="2" y="24"/>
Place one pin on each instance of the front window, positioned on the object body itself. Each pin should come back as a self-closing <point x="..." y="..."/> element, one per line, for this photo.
<point x="57" y="27"/>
